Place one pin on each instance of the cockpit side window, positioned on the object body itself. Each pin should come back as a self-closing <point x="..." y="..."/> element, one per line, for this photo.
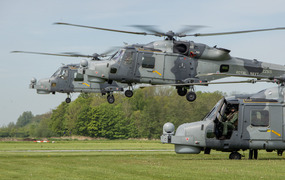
<point x="128" y="57"/>
<point x="118" y="55"/>
<point x="64" y="74"/>
<point x="56" y="73"/>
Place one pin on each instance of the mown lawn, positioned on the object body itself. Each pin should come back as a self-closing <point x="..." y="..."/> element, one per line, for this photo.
<point x="24" y="164"/>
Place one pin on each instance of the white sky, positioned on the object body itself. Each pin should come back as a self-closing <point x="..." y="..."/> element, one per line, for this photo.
<point x="27" y="25"/>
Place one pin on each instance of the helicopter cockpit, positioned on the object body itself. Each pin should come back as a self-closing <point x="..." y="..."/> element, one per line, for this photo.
<point x="61" y="73"/>
<point x="225" y="117"/>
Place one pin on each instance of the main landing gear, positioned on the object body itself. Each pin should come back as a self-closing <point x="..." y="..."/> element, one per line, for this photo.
<point x="190" y="96"/>
<point x="129" y="93"/>
<point x="235" y="155"/>
<point x="111" y="99"/>
<point x="253" y="153"/>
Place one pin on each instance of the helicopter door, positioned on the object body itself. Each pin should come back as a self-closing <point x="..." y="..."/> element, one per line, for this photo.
<point x="64" y="80"/>
<point x="262" y="122"/>
<point x="149" y="66"/>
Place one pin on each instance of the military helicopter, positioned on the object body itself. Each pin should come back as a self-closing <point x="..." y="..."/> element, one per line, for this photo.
<point x="259" y="125"/>
<point x="179" y="63"/>
<point x="67" y="80"/>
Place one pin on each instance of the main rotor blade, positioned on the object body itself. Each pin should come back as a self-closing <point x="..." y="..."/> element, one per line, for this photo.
<point x="104" y="29"/>
<point x="236" y="32"/>
<point x="53" y="54"/>
<point x="189" y="28"/>
<point x="150" y="29"/>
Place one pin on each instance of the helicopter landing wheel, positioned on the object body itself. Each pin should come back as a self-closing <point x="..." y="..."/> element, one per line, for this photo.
<point x="129" y="93"/>
<point x="110" y="99"/>
<point x="68" y="100"/>
<point x="181" y="91"/>
<point x="191" y="96"/>
<point x="235" y="155"/>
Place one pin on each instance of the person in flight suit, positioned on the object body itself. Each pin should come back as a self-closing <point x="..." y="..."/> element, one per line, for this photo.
<point x="230" y="122"/>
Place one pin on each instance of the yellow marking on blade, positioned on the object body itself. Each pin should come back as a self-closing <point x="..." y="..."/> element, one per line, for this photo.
<point x="86" y="84"/>
<point x="274" y="132"/>
<point x="156" y="72"/>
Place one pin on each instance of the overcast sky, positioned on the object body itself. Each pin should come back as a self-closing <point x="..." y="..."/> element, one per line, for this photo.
<point x="28" y="25"/>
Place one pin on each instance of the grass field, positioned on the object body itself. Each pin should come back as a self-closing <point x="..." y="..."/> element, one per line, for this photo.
<point x="22" y="160"/>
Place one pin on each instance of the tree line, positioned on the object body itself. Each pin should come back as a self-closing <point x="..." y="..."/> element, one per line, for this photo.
<point x="141" y="116"/>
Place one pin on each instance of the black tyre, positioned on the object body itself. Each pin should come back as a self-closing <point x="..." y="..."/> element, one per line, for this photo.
<point x="191" y="96"/>
<point x="235" y="155"/>
<point x="110" y="99"/>
<point x="181" y="91"/>
<point x="129" y="93"/>
<point x="67" y="100"/>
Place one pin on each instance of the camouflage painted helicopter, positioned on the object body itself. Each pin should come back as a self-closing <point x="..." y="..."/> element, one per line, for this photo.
<point x="67" y="80"/>
<point x="259" y="124"/>
<point x="177" y="62"/>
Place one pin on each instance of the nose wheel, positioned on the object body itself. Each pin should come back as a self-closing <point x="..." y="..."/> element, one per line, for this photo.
<point x="110" y="98"/>
<point x="68" y="99"/>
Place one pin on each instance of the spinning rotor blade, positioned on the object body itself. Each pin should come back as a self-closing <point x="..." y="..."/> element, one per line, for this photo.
<point x="189" y="28"/>
<point x="235" y="32"/>
<point x="104" y="29"/>
<point x="149" y="28"/>
<point x="181" y="33"/>
<point x="53" y="54"/>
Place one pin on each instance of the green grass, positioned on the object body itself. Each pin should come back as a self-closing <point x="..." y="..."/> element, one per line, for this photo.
<point x="85" y="145"/>
<point x="129" y="165"/>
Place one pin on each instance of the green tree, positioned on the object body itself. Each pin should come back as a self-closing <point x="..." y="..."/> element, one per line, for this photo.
<point x="56" y="123"/>
<point x="24" y="119"/>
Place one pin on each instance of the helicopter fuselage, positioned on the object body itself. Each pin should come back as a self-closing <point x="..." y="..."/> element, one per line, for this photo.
<point x="67" y="80"/>
<point x="177" y="62"/>
<point x="260" y="125"/>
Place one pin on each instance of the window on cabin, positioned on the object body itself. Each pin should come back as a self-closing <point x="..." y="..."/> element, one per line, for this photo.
<point x="148" y="62"/>
<point x="224" y="68"/>
<point x="78" y="77"/>
<point x="259" y="118"/>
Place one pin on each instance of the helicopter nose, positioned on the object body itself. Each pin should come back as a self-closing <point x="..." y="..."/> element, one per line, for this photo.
<point x="98" y="73"/>
<point x="101" y="70"/>
<point x="43" y="86"/>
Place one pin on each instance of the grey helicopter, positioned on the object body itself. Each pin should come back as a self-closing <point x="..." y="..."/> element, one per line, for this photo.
<point x="237" y="123"/>
<point x="178" y="63"/>
<point x="67" y="80"/>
